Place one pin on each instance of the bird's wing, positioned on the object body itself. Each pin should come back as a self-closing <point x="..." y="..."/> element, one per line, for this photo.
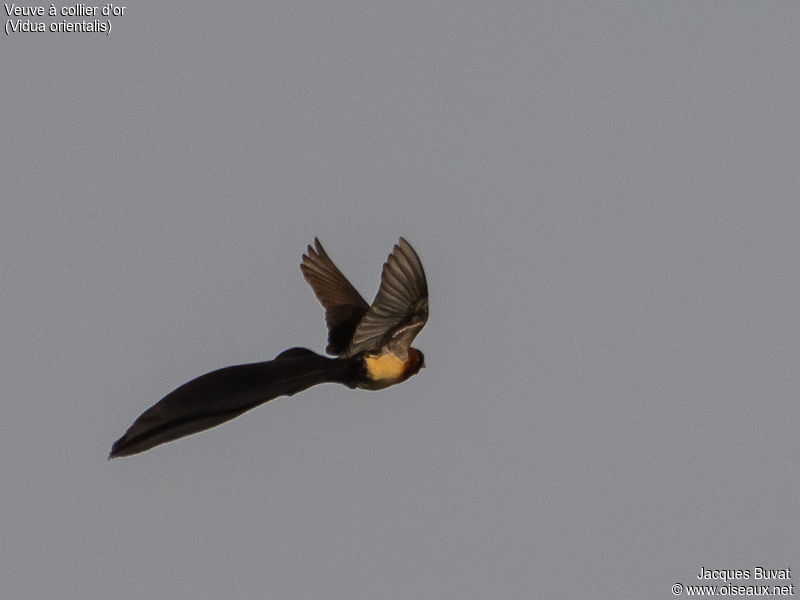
<point x="222" y="395"/>
<point x="400" y="308"/>
<point x="344" y="306"/>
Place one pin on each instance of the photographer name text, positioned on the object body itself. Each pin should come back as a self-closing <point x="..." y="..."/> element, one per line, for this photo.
<point x="756" y="573"/>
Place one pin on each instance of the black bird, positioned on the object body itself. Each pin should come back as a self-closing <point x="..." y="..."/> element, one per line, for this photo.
<point x="372" y="345"/>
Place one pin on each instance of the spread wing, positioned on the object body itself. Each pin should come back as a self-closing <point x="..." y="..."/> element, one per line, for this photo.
<point x="400" y="308"/>
<point x="344" y="306"/>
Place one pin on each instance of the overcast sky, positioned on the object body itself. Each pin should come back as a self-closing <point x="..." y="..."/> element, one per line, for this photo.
<point x="605" y="199"/>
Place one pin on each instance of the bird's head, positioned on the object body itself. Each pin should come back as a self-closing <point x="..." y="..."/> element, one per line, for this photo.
<point x="416" y="361"/>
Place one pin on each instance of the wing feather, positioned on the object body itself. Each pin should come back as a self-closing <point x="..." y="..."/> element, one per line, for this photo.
<point x="344" y="306"/>
<point x="400" y="308"/>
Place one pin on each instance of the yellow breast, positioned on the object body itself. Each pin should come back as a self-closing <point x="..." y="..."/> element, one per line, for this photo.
<point x="385" y="369"/>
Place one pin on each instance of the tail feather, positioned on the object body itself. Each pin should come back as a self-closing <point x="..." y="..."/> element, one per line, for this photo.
<point x="222" y="395"/>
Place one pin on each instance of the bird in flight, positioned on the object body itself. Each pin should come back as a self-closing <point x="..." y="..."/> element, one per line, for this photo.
<point x="372" y="345"/>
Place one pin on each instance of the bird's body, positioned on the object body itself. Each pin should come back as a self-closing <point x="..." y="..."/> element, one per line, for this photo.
<point x="386" y="368"/>
<point x="372" y="344"/>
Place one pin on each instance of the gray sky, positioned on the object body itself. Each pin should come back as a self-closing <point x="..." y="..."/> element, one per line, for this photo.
<point x="604" y="197"/>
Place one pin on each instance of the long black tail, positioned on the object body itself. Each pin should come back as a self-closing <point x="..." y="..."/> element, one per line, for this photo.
<point x="224" y="394"/>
